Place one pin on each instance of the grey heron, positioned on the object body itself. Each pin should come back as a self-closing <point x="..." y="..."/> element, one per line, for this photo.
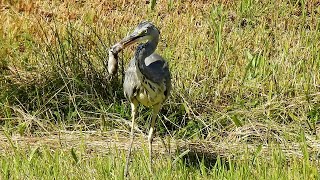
<point x="147" y="78"/>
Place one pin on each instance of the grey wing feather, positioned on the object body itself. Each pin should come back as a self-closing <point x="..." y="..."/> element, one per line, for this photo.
<point x="131" y="82"/>
<point x="157" y="68"/>
<point x="158" y="71"/>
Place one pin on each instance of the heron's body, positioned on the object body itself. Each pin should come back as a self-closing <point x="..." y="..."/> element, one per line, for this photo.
<point x="147" y="78"/>
<point x="148" y="90"/>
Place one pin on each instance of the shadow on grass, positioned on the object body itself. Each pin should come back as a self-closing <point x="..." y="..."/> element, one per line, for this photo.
<point x="196" y="158"/>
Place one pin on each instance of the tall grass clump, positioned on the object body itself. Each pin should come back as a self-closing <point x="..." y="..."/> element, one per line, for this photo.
<point x="66" y="80"/>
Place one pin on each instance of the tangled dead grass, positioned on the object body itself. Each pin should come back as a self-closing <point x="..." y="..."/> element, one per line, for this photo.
<point x="93" y="142"/>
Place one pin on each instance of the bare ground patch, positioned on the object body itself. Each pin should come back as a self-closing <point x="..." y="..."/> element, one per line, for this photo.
<point x="98" y="142"/>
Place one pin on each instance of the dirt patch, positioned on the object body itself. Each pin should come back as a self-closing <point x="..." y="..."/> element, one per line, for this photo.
<point x="104" y="142"/>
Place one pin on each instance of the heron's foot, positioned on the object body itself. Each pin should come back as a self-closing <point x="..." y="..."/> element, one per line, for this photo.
<point x="128" y="160"/>
<point x="126" y="172"/>
<point x="151" y="170"/>
<point x="150" y="165"/>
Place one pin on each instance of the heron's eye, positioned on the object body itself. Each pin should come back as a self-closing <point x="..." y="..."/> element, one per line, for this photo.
<point x="146" y="31"/>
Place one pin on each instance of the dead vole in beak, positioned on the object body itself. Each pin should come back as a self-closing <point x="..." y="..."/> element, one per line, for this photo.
<point x="112" y="62"/>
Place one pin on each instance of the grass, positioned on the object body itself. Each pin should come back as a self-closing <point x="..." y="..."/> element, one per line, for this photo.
<point x="244" y="73"/>
<point x="81" y="162"/>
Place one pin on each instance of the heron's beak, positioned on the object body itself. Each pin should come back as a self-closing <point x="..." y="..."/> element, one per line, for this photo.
<point x="125" y="42"/>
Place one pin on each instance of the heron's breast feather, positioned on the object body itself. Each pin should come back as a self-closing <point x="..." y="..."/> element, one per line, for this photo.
<point x="151" y="93"/>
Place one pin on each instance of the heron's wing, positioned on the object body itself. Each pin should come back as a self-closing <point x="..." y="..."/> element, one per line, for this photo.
<point x="157" y="69"/>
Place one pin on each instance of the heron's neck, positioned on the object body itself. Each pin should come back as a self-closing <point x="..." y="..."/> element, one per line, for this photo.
<point x="143" y="51"/>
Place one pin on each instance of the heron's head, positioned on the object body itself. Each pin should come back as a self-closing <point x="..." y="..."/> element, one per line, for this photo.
<point x="143" y="32"/>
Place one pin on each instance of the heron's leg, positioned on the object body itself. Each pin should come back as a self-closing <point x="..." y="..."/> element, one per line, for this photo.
<point x="156" y="109"/>
<point x="134" y="106"/>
